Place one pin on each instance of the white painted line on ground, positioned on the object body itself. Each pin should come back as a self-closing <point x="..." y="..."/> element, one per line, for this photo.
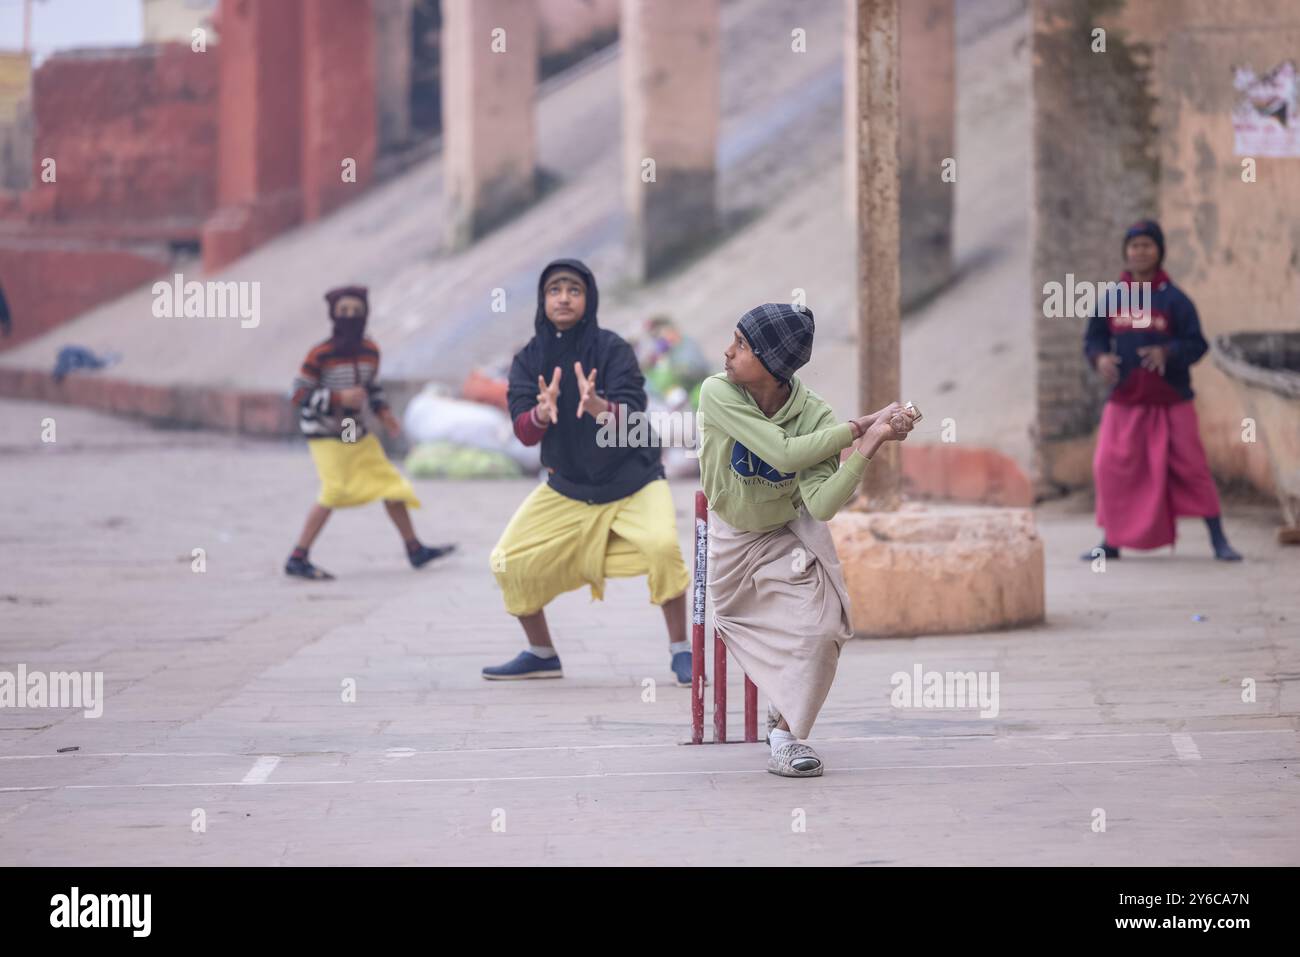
<point x="261" y="769"/>
<point x="1186" y="747"/>
<point x="875" y="738"/>
<point x="613" y="774"/>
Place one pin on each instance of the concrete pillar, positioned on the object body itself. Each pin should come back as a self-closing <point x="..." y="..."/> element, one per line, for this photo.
<point x="489" y="56"/>
<point x="928" y="81"/>
<point x="339" y="134"/>
<point x="394" y="22"/>
<point x="928" y="136"/>
<point x="910" y="570"/>
<point x="259" y="127"/>
<point x="877" y="164"/>
<point x="670" y="127"/>
<point x="570" y="29"/>
<point x="1095" y="170"/>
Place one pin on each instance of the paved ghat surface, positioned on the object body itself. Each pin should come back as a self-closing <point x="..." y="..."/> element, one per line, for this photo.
<point x="224" y="694"/>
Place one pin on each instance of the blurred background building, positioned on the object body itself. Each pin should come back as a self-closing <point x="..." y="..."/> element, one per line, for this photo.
<point x="473" y="166"/>
<point x="175" y="20"/>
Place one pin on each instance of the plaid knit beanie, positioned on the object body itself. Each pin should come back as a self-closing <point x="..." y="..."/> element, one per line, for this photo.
<point x="780" y="335"/>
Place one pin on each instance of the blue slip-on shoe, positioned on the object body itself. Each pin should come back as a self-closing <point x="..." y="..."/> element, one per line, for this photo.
<point x="524" y="665"/>
<point x="682" y="669"/>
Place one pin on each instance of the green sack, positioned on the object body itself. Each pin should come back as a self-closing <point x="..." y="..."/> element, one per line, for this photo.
<point x="447" y="460"/>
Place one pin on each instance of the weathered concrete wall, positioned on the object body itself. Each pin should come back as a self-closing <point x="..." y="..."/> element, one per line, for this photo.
<point x="1095" y="169"/>
<point x="928" y="136"/>
<point x="1145" y="129"/>
<point x="394" y="23"/>
<point x="1233" y="246"/>
<point x="671" y="96"/>
<point x="568" y="28"/>
<point x="488" y="96"/>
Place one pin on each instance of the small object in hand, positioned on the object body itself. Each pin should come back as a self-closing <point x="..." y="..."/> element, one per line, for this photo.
<point x="899" y="424"/>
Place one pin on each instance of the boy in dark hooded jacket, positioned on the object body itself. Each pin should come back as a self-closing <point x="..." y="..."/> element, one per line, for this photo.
<point x="605" y="510"/>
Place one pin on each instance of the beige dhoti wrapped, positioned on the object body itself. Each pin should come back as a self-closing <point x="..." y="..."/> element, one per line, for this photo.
<point x="780" y="604"/>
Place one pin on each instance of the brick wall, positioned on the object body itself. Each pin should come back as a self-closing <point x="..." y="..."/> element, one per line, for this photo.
<point x="49" y="281"/>
<point x="133" y="133"/>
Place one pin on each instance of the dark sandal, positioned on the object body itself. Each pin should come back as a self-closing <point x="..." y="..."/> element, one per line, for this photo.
<point x="301" y="568"/>
<point x="424" y="554"/>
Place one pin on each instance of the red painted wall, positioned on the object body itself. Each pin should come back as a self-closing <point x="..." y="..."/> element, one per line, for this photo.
<point x="260" y="106"/>
<point x="339" y="111"/>
<point x="134" y="136"/>
<point x="231" y="146"/>
<point x="48" y="282"/>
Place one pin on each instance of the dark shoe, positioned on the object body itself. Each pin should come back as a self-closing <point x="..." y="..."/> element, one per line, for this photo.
<point x="302" y="568"/>
<point x="1226" y="553"/>
<point x="1110" y="551"/>
<point x="424" y="554"/>
<point x="524" y="665"/>
<point x="682" y="668"/>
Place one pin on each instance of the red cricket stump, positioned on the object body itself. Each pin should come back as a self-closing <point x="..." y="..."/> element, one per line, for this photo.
<point x="719" y="650"/>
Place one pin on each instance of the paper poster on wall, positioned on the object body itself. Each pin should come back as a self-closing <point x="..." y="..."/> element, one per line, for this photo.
<point x="1264" y="121"/>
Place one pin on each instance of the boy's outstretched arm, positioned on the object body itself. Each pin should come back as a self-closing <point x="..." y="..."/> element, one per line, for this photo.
<point x="728" y="411"/>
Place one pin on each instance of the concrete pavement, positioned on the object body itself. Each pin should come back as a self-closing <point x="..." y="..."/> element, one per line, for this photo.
<point x="224" y="694"/>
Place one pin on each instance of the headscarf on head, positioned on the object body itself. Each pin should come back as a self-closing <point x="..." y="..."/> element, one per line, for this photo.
<point x="1149" y="228"/>
<point x="348" y="332"/>
<point x="780" y="335"/>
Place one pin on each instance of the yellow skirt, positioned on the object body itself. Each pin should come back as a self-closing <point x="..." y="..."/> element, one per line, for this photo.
<point x="555" y="544"/>
<point x="355" y="473"/>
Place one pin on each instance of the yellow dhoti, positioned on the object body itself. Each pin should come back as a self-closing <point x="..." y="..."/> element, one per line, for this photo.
<point x="554" y="544"/>
<point x="355" y="473"/>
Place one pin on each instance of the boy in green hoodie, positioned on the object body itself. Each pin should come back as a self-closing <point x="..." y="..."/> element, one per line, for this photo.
<point x="770" y="466"/>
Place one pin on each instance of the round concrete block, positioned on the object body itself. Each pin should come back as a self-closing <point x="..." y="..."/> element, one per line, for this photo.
<point x="931" y="569"/>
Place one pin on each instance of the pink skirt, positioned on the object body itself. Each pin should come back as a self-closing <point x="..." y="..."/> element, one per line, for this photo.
<point x="1149" y="469"/>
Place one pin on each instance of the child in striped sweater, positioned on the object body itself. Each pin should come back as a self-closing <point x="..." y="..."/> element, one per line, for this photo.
<point x="338" y="378"/>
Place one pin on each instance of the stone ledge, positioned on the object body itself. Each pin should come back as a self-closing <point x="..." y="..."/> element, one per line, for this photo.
<point x="240" y="411"/>
<point x="933" y="570"/>
<point x="225" y="410"/>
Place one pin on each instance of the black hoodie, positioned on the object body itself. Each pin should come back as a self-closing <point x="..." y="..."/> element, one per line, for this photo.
<point x="580" y="468"/>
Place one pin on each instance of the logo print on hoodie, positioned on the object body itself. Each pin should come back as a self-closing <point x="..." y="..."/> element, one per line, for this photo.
<point x="748" y="465"/>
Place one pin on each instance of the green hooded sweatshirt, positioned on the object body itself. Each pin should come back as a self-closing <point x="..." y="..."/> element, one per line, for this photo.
<point x="757" y="471"/>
